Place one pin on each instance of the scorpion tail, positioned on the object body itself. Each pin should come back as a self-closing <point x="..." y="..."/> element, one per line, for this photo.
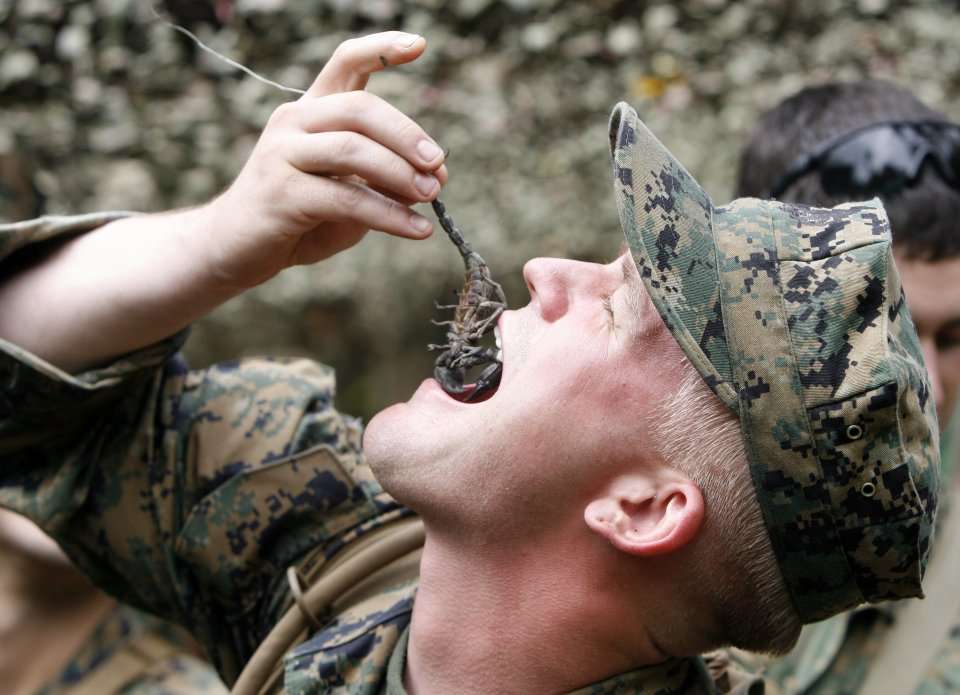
<point x="451" y="228"/>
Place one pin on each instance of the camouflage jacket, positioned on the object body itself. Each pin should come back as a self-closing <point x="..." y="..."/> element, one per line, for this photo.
<point x="835" y="655"/>
<point x="189" y="493"/>
<point x="132" y="653"/>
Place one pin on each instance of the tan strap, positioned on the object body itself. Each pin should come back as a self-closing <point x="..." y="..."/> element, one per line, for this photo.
<point x="921" y="625"/>
<point x="261" y="672"/>
<point x="296" y="590"/>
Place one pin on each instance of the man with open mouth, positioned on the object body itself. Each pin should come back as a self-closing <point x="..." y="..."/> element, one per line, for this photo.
<point x="720" y="435"/>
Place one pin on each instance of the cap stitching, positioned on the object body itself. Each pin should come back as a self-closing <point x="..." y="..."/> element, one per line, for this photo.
<point x="782" y="310"/>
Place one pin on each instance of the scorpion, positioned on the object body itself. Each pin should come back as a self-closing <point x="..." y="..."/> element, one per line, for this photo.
<point x="479" y="305"/>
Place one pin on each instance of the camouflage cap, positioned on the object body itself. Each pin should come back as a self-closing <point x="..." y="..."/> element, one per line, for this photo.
<point x="795" y="318"/>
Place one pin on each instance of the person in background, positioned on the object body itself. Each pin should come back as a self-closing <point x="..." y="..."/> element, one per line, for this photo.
<point x="841" y="142"/>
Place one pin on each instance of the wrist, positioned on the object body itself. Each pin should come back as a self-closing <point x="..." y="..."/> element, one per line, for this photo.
<point x="227" y="243"/>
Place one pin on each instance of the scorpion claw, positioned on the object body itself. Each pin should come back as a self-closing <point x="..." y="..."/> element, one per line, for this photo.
<point x="489" y="379"/>
<point x="450" y="380"/>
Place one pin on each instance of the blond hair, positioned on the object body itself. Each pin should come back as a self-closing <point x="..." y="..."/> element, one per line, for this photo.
<point x="699" y="436"/>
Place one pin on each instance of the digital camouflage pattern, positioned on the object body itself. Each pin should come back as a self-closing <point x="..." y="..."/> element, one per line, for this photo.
<point x="189" y="493"/>
<point x="795" y="318"/>
<point x="186" y="493"/>
<point x="132" y="653"/>
<point x="835" y="655"/>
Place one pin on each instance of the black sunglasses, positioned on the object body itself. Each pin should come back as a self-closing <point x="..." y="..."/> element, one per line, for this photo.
<point x="881" y="159"/>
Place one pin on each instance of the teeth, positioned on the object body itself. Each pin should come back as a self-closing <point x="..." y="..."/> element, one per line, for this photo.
<point x="500" y="355"/>
<point x="496" y="337"/>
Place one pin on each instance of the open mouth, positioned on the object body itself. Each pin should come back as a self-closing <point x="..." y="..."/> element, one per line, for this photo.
<point x="482" y="381"/>
<point x="468" y="394"/>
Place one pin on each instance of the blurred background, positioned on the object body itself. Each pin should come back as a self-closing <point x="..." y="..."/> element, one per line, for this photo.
<point x="102" y="106"/>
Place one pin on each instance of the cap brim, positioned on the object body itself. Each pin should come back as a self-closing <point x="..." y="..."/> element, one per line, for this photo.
<point x="667" y="219"/>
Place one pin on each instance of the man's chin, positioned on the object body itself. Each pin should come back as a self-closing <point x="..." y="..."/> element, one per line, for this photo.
<point x="378" y="429"/>
<point x="391" y="438"/>
<point x="406" y="443"/>
<point x="397" y="424"/>
<point x="391" y="443"/>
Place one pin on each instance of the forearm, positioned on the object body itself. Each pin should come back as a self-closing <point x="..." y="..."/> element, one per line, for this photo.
<point x="327" y="167"/>
<point x="113" y="290"/>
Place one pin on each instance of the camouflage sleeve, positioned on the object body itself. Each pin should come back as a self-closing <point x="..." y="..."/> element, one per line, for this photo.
<point x="15" y="236"/>
<point x="186" y="493"/>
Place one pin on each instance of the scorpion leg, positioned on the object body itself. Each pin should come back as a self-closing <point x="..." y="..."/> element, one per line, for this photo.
<point x="473" y="355"/>
<point x="449" y="350"/>
<point x="478" y="333"/>
<point x="484" y="325"/>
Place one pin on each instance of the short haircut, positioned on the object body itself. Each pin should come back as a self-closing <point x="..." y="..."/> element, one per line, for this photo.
<point x="753" y="608"/>
<point x="923" y="217"/>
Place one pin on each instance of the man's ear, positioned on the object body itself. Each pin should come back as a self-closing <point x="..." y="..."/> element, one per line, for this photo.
<point x="644" y="517"/>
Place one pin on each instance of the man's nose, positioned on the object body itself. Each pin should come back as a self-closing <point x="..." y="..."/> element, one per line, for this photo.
<point x="548" y="286"/>
<point x="555" y="282"/>
<point x="930" y="357"/>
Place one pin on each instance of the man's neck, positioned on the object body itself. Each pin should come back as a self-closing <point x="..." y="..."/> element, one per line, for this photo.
<point x="549" y="624"/>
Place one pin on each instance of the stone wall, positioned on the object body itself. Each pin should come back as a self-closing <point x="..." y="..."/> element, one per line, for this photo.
<point x="105" y="107"/>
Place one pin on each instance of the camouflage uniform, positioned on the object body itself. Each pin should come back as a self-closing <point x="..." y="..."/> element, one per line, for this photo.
<point x="189" y="493"/>
<point x="132" y="653"/>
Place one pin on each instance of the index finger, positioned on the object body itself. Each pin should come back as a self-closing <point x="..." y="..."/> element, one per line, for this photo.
<point x="355" y="60"/>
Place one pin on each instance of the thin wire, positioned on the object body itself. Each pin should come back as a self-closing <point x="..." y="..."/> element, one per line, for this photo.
<point x="224" y="58"/>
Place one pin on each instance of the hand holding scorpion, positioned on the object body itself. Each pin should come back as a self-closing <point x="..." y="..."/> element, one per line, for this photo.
<point x="328" y="167"/>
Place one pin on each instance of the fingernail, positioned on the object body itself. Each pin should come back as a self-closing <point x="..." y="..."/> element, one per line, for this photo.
<point x="407" y="40"/>
<point x="420" y="223"/>
<point x="429" y="150"/>
<point x="425" y="184"/>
